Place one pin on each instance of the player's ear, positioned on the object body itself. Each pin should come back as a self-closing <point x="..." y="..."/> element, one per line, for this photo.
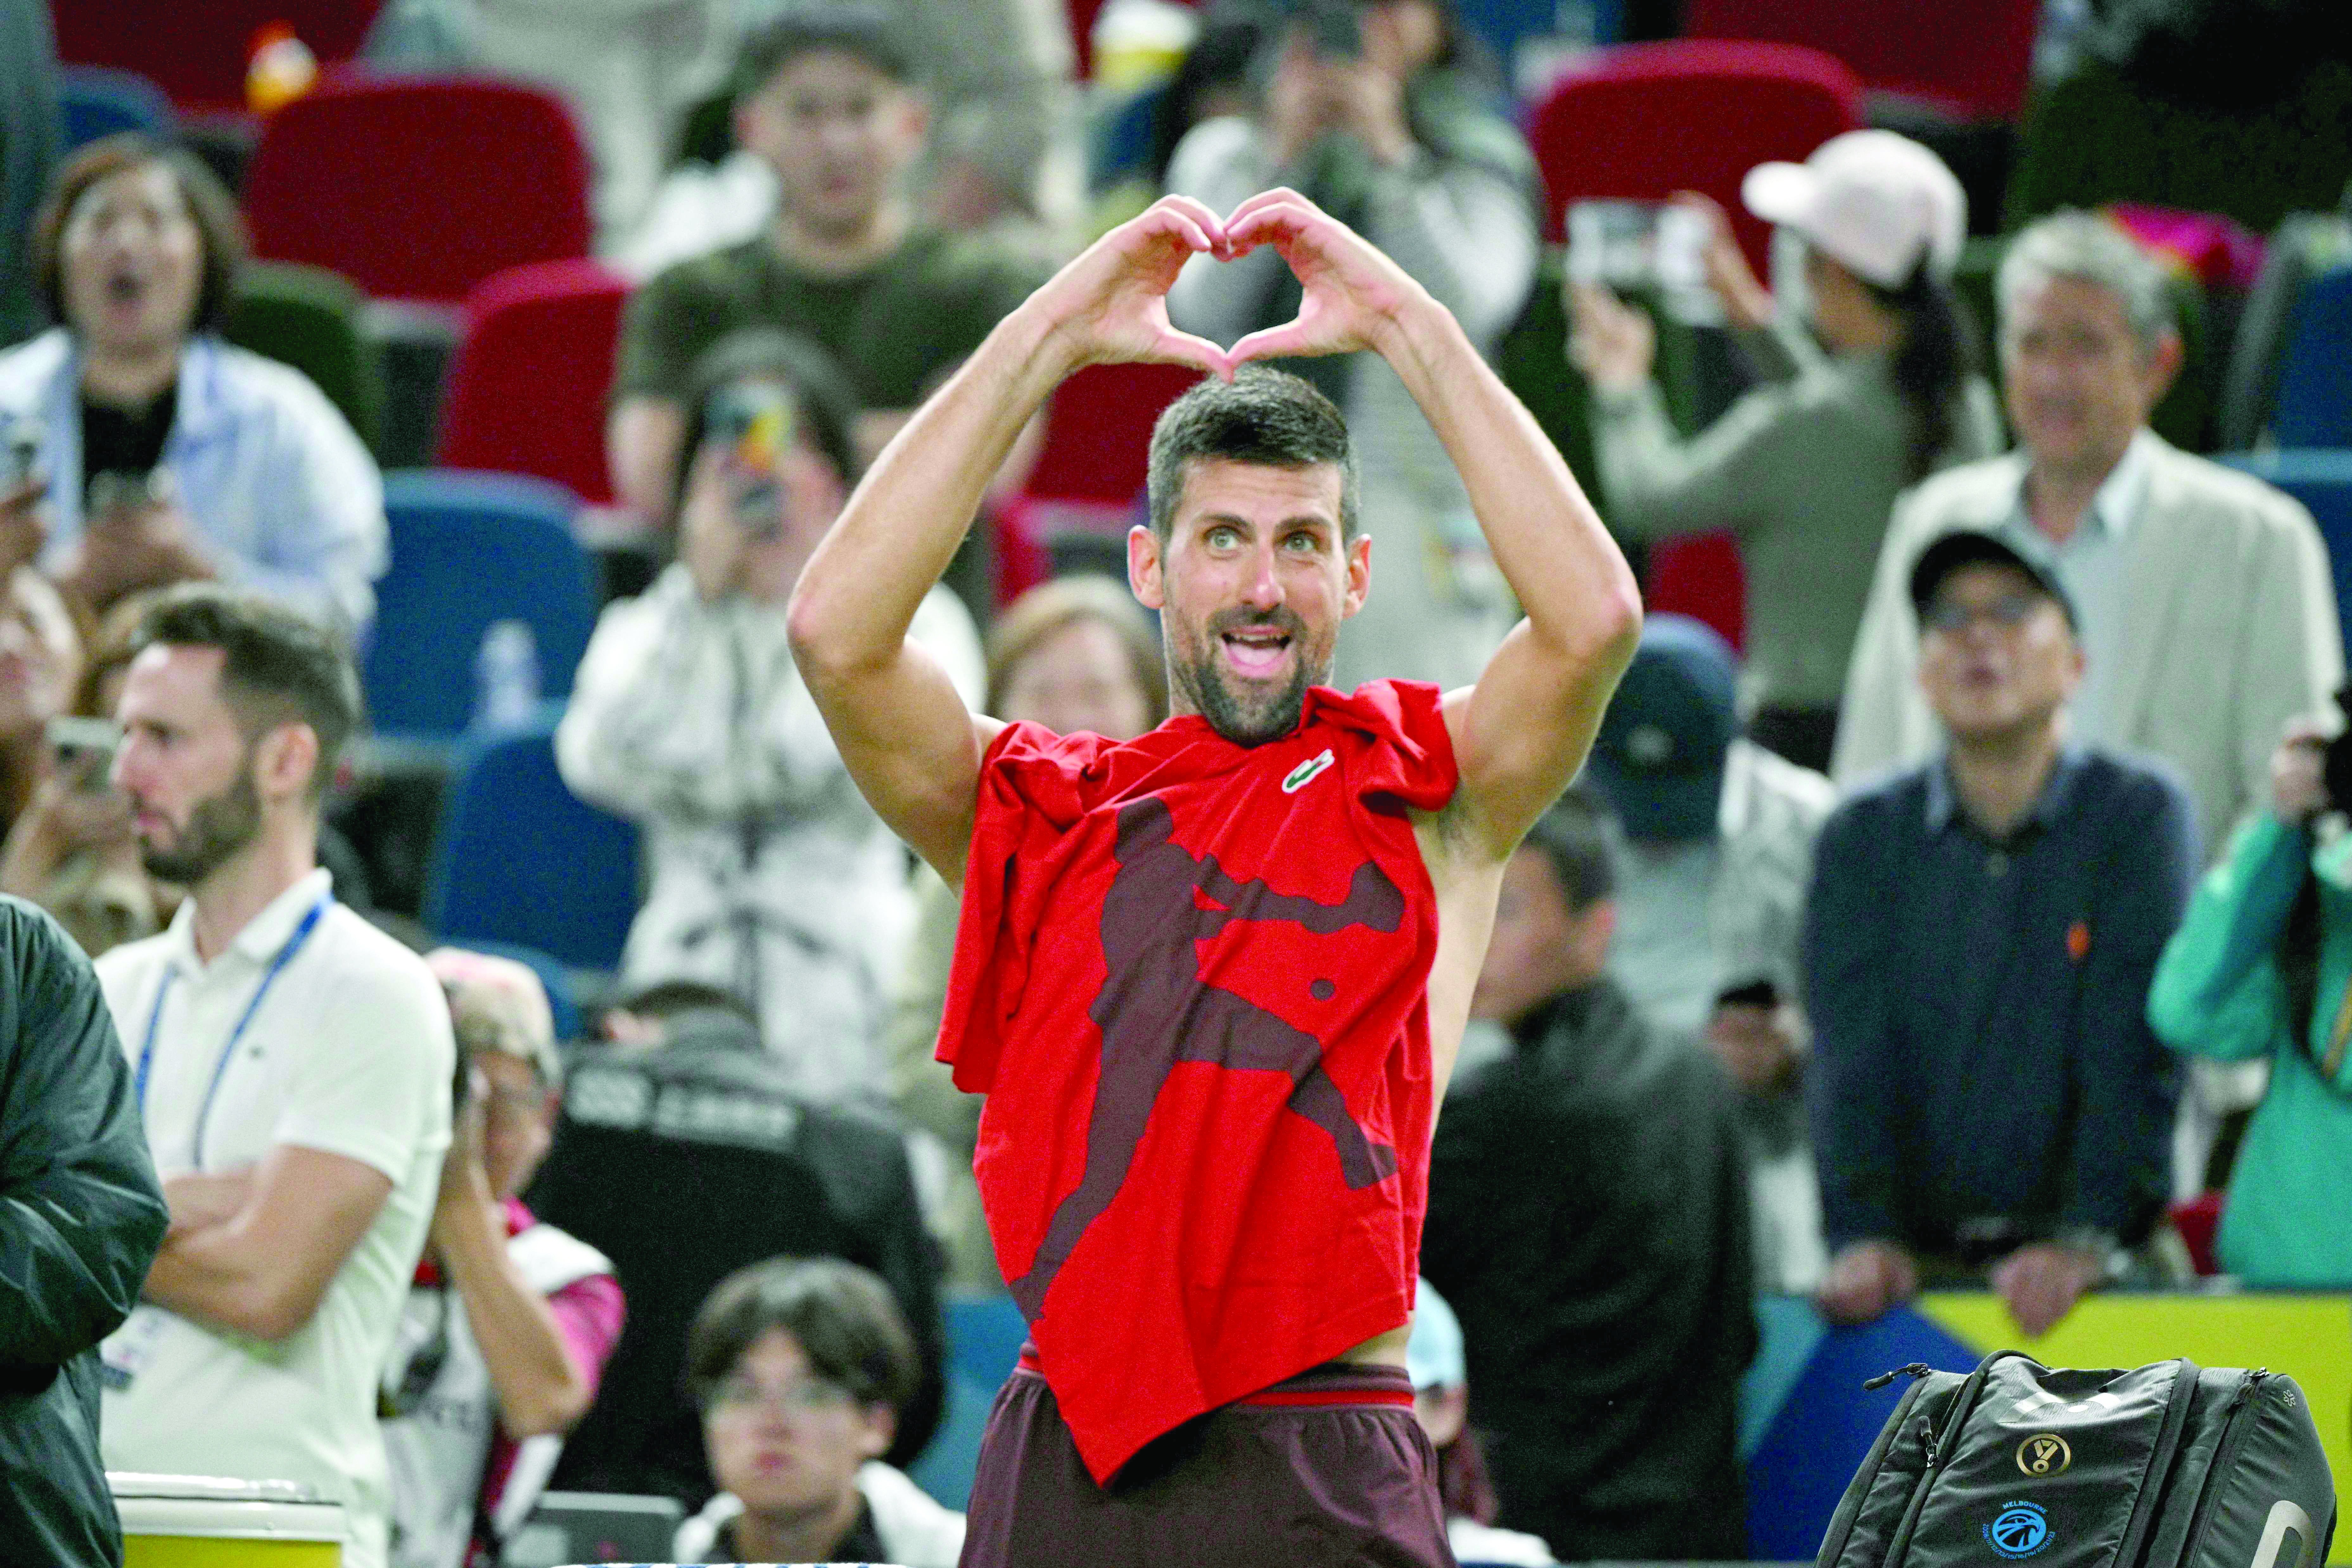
<point x="1358" y="556"/>
<point x="1145" y="561"/>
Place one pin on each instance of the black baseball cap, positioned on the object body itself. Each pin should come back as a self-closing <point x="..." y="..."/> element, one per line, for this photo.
<point x="1974" y="547"/>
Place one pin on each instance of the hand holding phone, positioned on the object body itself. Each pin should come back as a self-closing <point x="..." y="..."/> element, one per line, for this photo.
<point x="754" y="423"/>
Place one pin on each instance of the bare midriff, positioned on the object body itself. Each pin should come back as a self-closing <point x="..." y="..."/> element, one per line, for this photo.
<point x="1381" y="1350"/>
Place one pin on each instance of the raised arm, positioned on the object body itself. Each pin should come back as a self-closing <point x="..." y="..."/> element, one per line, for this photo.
<point x="908" y="740"/>
<point x="1519" y="734"/>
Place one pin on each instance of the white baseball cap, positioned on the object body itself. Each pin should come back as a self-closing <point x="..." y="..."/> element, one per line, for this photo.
<point x="1871" y="200"/>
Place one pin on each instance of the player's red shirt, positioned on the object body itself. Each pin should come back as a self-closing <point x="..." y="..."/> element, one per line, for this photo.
<point x="1136" y="917"/>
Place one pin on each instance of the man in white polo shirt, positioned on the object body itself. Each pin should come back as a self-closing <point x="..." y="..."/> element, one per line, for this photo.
<point x="294" y="1068"/>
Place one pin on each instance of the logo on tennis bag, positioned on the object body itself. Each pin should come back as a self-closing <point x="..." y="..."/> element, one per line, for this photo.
<point x="2020" y="1530"/>
<point x="2165" y="1465"/>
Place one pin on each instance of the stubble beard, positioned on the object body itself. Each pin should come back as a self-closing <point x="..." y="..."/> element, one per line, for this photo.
<point x="1247" y="715"/>
<point x="219" y="826"/>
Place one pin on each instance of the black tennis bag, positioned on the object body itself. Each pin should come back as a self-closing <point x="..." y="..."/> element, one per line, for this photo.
<point x="2167" y="1466"/>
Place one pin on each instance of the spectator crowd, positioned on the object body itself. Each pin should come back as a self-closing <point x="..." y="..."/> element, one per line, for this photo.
<point x="1948" y="920"/>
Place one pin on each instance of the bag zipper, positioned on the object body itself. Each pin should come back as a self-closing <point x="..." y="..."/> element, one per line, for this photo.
<point x="1841" y="1526"/>
<point x="1964" y="1402"/>
<point x="2224" y="1452"/>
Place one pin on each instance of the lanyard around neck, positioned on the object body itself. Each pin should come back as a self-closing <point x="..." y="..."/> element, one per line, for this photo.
<point x="245" y="1019"/>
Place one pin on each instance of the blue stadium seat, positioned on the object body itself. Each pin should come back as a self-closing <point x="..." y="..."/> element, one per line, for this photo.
<point x="2322" y="480"/>
<point x="469" y="549"/>
<point x="520" y="859"/>
<point x="2314" y="377"/>
<point x="99" y="100"/>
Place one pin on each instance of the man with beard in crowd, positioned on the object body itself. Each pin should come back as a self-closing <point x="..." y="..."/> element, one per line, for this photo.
<point x="293" y="1067"/>
<point x="1213" y="979"/>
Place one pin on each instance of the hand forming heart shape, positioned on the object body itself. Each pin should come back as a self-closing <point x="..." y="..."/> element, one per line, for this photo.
<point x="1113" y="300"/>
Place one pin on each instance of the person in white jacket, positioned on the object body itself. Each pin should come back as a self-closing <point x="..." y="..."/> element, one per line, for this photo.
<point x="800" y="1367"/>
<point x="771" y="875"/>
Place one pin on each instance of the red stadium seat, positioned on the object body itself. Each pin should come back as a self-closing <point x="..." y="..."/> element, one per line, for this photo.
<point x="1641" y="121"/>
<point x="527" y="387"/>
<point x="1701" y="577"/>
<point x="419" y="187"/>
<point x="197" y="53"/>
<point x="1967" y="57"/>
<point x="1091" y="468"/>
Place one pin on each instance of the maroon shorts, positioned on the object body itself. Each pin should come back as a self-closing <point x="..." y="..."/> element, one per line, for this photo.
<point x="1327" y="1468"/>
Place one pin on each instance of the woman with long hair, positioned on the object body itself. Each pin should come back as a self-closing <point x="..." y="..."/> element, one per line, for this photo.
<point x="1804" y="469"/>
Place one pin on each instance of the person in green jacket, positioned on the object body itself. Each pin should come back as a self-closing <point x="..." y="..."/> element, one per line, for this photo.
<point x="2259" y="968"/>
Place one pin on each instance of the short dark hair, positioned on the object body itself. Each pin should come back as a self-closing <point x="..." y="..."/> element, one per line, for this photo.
<point x="1579" y="836"/>
<point x="842" y="1317"/>
<point x="277" y="667"/>
<point x="1262" y="416"/>
<point x="858" y="30"/>
<point x="209" y="204"/>
<point x="765" y="353"/>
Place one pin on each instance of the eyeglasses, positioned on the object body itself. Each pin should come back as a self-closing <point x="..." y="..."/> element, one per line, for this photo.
<point x="741" y="1396"/>
<point x="2007" y="611"/>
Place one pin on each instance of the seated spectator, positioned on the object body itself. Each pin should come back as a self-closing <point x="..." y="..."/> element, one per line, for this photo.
<point x="41" y="656"/>
<point x="509" y="1322"/>
<point x="72" y="850"/>
<point x="826" y="98"/>
<point x="1803" y="470"/>
<point x="1398" y="137"/>
<point x="2167" y="557"/>
<point x="1987" y="1100"/>
<point x="651" y="1016"/>
<point x="800" y="1368"/>
<point x="1711" y="908"/>
<point x="1607" y="1320"/>
<point x="1074" y="653"/>
<point x="1441" y="1403"/>
<point x="1007" y="147"/>
<point x="165" y="454"/>
<point x="772" y="879"/>
<point x="2258" y="970"/>
<point x="724" y="1167"/>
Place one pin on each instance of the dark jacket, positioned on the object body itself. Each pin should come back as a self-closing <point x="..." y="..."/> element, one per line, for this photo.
<point x="682" y="1165"/>
<point x="80" y="1218"/>
<point x="1588" y="1221"/>
<point x="1983" y="1073"/>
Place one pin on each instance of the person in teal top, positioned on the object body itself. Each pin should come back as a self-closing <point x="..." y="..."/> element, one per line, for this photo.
<point x="2226" y="988"/>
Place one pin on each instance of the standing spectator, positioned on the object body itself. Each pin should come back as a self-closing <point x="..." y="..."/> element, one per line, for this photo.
<point x="2208" y="616"/>
<point x="1077" y="654"/>
<point x="167" y="454"/>
<point x="771" y="877"/>
<point x="1986" y="1097"/>
<point x="1588" y="1218"/>
<point x="2259" y="971"/>
<point x="826" y="98"/>
<point x="1803" y="470"/>
<point x="1711" y="908"/>
<point x="1441" y="1403"/>
<point x="800" y="1368"/>
<point x="71" y="1152"/>
<point x="509" y="1321"/>
<point x="1396" y="136"/>
<point x="293" y="1064"/>
<point x="29" y="148"/>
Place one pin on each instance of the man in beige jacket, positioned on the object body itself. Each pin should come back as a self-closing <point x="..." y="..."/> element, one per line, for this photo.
<point x="2208" y="615"/>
